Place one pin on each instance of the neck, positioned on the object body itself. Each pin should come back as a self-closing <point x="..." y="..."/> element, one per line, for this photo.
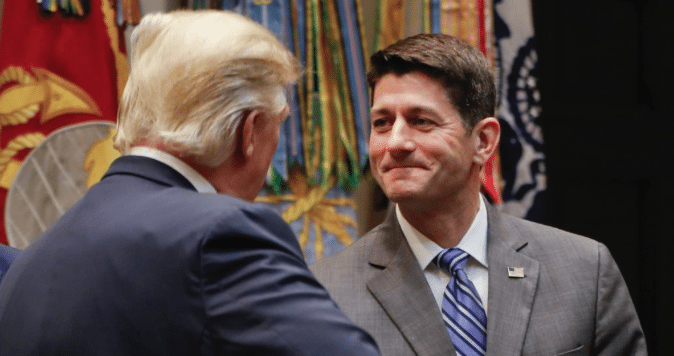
<point x="447" y="222"/>
<point x="232" y="177"/>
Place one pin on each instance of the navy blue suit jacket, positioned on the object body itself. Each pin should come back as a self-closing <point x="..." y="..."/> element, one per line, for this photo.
<point x="7" y="255"/>
<point x="145" y="265"/>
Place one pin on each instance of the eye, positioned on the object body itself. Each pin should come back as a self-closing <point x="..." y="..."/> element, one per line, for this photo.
<point x="380" y="123"/>
<point x="421" y="122"/>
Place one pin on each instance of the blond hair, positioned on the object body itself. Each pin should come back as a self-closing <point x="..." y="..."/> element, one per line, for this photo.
<point x="194" y="75"/>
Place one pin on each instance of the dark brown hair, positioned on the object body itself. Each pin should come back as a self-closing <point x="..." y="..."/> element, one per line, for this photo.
<point x="461" y="69"/>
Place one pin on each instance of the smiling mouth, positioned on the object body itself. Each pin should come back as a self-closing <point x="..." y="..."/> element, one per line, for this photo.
<point x="391" y="168"/>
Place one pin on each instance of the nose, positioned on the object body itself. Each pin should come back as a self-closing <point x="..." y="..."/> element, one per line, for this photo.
<point x="400" y="141"/>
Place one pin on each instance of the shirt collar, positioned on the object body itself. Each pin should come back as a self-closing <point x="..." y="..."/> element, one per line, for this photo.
<point x="474" y="242"/>
<point x="197" y="180"/>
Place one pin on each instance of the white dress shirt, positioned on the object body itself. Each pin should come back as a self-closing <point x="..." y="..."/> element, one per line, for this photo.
<point x="474" y="242"/>
<point x="197" y="180"/>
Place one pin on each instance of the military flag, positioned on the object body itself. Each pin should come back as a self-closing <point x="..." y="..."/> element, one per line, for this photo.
<point x="62" y="64"/>
<point x="390" y="23"/>
<point x="322" y="150"/>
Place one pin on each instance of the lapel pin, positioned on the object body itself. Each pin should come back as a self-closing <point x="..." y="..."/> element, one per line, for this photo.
<point x="515" y="272"/>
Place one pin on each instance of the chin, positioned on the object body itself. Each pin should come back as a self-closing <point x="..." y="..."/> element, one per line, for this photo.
<point x="401" y="196"/>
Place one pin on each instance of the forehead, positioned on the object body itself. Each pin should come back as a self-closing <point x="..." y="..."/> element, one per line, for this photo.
<point x="415" y="89"/>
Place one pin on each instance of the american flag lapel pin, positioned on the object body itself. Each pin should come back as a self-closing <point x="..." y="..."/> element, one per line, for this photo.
<point x="515" y="272"/>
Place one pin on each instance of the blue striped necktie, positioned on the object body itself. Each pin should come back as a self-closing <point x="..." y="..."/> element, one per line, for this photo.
<point x="462" y="309"/>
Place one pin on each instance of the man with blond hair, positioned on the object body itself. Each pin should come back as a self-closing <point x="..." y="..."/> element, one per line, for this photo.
<point x="168" y="255"/>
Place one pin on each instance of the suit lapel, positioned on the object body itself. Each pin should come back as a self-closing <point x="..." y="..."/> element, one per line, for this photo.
<point x="510" y="299"/>
<point x="401" y="288"/>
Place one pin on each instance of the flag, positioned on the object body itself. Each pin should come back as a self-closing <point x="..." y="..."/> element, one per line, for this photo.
<point x="62" y="64"/>
<point x="276" y="16"/>
<point x="322" y="149"/>
<point x="519" y="110"/>
<point x="390" y="23"/>
<point x="471" y="21"/>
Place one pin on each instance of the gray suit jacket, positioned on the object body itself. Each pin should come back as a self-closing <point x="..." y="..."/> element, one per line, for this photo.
<point x="572" y="300"/>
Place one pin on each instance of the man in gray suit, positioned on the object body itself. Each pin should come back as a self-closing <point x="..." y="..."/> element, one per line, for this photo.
<point x="446" y="272"/>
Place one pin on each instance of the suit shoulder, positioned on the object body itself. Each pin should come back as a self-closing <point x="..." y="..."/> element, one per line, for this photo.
<point x="240" y="220"/>
<point x="543" y="239"/>
<point x="228" y="210"/>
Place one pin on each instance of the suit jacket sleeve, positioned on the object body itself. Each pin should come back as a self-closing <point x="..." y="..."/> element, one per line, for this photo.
<point x="618" y="331"/>
<point x="261" y="299"/>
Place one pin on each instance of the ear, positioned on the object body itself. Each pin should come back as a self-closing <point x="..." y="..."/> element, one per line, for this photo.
<point x="486" y="135"/>
<point x="248" y="137"/>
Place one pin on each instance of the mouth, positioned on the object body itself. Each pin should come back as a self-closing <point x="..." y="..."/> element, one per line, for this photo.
<point x="399" y="166"/>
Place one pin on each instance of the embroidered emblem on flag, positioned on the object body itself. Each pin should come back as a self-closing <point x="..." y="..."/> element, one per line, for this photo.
<point x="522" y="157"/>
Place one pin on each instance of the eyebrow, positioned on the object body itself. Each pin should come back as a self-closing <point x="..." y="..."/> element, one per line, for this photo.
<point x="415" y="110"/>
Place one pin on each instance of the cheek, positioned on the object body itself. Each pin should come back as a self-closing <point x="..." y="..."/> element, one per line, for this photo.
<point x="274" y="134"/>
<point x="375" y="157"/>
<point x="377" y="145"/>
<point x="275" y="138"/>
